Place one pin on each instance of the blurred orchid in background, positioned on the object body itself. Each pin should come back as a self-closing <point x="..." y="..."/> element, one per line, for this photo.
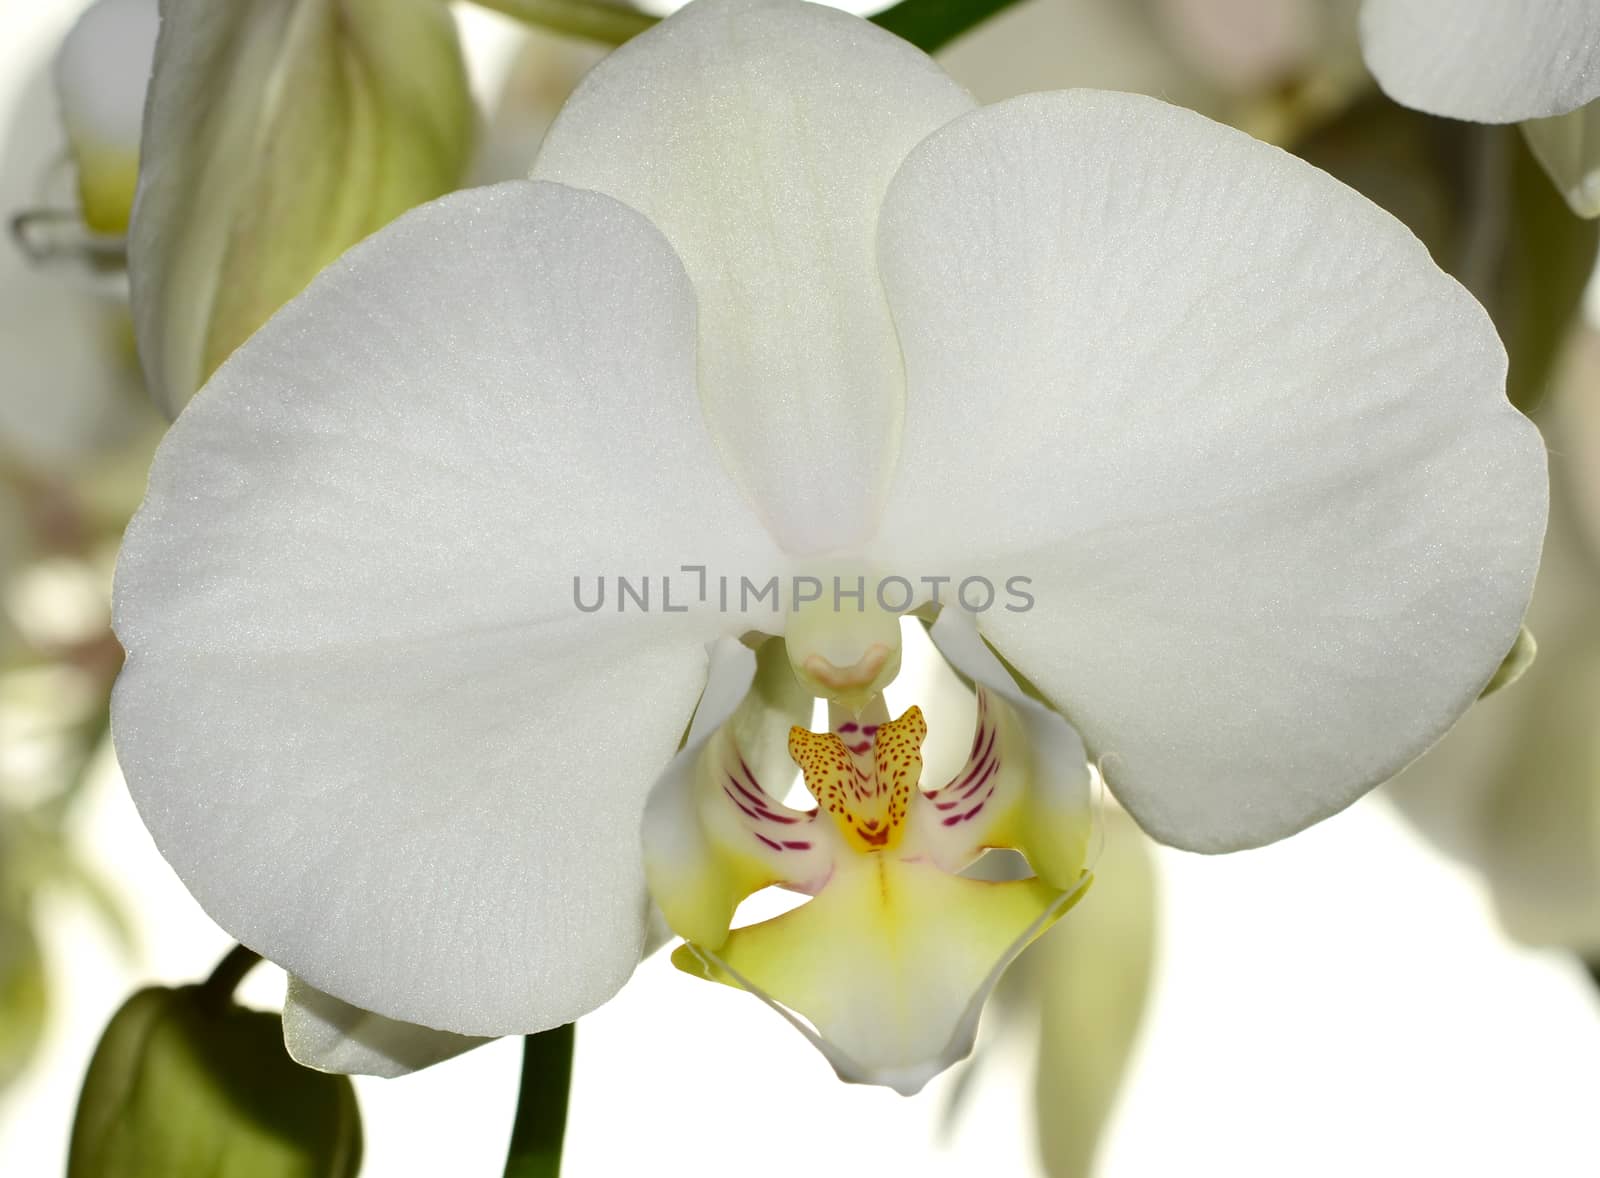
<point x="1515" y="790"/>
<point x="1275" y="68"/>
<point x="75" y="440"/>
<point x="1535" y="62"/>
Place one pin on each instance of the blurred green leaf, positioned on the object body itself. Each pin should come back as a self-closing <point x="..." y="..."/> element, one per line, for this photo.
<point x="24" y="995"/>
<point x="1551" y="255"/>
<point x="185" y="1083"/>
<point x="35" y="853"/>
<point x="1479" y="201"/>
<point x="930" y="25"/>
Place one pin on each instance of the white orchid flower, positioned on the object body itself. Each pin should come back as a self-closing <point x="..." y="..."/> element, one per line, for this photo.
<point x="781" y="301"/>
<point x="1535" y="62"/>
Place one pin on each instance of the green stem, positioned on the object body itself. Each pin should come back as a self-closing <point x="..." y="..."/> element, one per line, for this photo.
<point x="541" y="1120"/>
<point x="230" y="971"/>
<point x="610" y="24"/>
<point x="930" y="25"/>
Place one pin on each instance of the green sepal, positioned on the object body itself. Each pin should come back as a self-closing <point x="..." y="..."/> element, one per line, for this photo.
<point x="1516" y="663"/>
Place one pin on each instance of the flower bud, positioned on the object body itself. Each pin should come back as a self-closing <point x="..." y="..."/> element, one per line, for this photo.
<point x="101" y="73"/>
<point x="277" y="134"/>
<point x="184" y="1083"/>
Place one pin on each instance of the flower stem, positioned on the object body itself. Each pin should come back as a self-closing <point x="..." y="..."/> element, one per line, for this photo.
<point x="230" y="971"/>
<point x="930" y="25"/>
<point x="541" y="1121"/>
<point x="592" y="20"/>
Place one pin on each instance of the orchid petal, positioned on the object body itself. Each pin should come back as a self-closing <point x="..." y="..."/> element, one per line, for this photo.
<point x="1489" y="61"/>
<point x="713" y="834"/>
<point x="1280" y="521"/>
<point x="323" y="1033"/>
<point x="1026" y="781"/>
<point x="759" y="136"/>
<point x="350" y="622"/>
<point x="890" y="963"/>
<point x="1568" y="148"/>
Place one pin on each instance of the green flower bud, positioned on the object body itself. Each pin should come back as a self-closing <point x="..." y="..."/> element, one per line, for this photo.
<point x="184" y="1083"/>
<point x="277" y="134"/>
<point x="23" y="995"/>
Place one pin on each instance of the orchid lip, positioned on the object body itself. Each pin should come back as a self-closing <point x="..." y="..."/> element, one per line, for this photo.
<point x="886" y="967"/>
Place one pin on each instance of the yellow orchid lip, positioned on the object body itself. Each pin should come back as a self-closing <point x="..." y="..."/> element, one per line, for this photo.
<point x="886" y="967"/>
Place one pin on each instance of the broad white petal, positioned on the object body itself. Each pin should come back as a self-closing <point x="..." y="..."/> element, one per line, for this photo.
<point x="1490" y="61"/>
<point x="361" y="714"/>
<point x="1249" y="443"/>
<point x="331" y="1036"/>
<point x="1568" y="148"/>
<point x="759" y="136"/>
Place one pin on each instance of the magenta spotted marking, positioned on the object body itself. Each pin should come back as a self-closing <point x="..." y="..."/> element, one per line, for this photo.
<point x="743" y="809"/>
<point x="759" y="801"/>
<point x="981" y="772"/>
<point x="757" y="806"/>
<point x="994" y="767"/>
